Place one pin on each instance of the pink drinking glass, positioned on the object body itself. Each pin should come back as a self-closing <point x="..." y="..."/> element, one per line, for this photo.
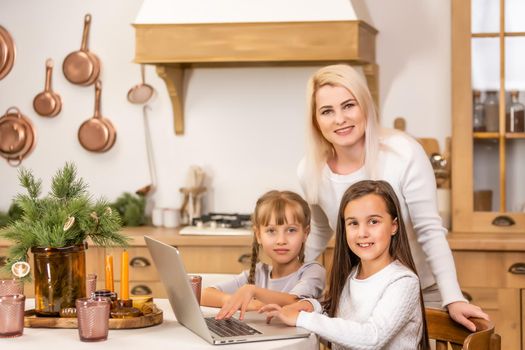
<point x="196" y="285"/>
<point x="93" y="318"/>
<point x="11" y="286"/>
<point x="12" y="315"/>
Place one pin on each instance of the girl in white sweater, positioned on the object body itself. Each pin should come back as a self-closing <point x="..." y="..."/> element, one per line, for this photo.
<point x="374" y="299"/>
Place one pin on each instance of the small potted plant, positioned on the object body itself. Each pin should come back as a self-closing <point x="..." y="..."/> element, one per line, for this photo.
<point x="55" y="228"/>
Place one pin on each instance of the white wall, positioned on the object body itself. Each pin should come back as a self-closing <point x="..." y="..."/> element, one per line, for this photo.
<point x="244" y="126"/>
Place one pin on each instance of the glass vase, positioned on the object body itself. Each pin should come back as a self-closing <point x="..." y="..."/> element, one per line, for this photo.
<point x="60" y="278"/>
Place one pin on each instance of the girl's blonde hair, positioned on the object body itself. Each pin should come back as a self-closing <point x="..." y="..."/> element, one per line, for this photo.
<point x="344" y="259"/>
<point x="273" y="204"/>
<point x="318" y="149"/>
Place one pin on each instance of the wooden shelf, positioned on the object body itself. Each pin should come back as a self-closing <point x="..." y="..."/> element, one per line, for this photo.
<point x="515" y="135"/>
<point x="496" y="35"/>
<point x="483" y="135"/>
<point x="175" y="47"/>
<point x="486" y="135"/>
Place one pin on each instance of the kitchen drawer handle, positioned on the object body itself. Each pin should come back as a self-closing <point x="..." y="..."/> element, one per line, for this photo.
<point x="245" y="259"/>
<point x="139" y="261"/>
<point x="517" y="269"/>
<point x="467" y="296"/>
<point x="141" y="290"/>
<point x="503" y="220"/>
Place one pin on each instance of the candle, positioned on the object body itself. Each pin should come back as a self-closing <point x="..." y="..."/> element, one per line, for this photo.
<point x="124" y="276"/>
<point x="109" y="273"/>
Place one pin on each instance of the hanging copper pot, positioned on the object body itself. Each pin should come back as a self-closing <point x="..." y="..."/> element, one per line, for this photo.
<point x="48" y="103"/>
<point x="98" y="133"/>
<point x="82" y="67"/>
<point x="7" y="52"/>
<point x="17" y="136"/>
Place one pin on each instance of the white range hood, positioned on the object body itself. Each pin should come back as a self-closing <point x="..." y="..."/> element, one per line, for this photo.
<point x="175" y="34"/>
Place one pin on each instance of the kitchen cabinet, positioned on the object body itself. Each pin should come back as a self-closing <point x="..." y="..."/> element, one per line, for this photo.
<point x="495" y="281"/>
<point x="487" y="169"/>
<point x="488" y="222"/>
<point x="143" y="275"/>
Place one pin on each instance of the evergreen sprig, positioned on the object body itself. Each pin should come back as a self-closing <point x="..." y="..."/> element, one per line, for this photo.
<point x="67" y="216"/>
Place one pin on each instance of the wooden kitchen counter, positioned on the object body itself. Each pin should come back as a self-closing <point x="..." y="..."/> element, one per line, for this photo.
<point x="171" y="236"/>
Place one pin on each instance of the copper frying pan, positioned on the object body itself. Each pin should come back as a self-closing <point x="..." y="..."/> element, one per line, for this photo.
<point x="17" y="136"/>
<point x="82" y="67"/>
<point x="98" y="133"/>
<point x="48" y="103"/>
<point x="7" y="52"/>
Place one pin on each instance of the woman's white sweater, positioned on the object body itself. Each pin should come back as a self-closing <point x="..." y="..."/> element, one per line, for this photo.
<point x="402" y="162"/>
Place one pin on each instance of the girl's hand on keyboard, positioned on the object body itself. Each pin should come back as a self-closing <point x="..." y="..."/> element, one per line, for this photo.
<point x="287" y="314"/>
<point x="240" y="300"/>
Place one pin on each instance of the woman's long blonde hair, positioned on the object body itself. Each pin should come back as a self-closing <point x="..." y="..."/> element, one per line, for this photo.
<point x="318" y="149"/>
<point x="273" y="204"/>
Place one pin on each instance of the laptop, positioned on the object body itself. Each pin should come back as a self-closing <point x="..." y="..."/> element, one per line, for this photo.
<point x="187" y="310"/>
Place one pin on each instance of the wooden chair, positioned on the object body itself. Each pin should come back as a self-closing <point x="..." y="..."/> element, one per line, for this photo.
<point x="446" y="332"/>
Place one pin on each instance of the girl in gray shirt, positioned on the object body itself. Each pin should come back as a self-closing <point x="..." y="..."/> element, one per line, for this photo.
<point x="281" y="223"/>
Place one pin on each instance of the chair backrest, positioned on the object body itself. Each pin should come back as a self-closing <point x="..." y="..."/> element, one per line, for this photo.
<point x="446" y="332"/>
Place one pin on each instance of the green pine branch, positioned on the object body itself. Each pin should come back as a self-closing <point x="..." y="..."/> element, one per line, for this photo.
<point x="67" y="216"/>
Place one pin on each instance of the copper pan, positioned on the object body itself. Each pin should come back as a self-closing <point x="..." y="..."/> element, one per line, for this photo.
<point x="82" y="67"/>
<point x="48" y="103"/>
<point x="142" y="92"/>
<point x="17" y="136"/>
<point x="7" y="52"/>
<point x="98" y="133"/>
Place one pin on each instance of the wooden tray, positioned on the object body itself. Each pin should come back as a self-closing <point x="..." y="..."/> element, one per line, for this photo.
<point x="31" y="320"/>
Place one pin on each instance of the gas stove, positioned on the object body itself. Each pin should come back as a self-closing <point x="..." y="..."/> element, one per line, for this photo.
<point x="219" y="224"/>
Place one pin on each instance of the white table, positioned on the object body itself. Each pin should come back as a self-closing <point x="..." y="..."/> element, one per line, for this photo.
<point x="168" y="335"/>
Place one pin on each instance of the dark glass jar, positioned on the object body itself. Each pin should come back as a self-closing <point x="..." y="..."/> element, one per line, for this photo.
<point x="60" y="278"/>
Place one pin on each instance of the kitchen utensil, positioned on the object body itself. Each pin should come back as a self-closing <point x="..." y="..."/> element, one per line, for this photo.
<point x="7" y="52"/>
<point x="48" y="103"/>
<point x="141" y="93"/>
<point x="439" y="165"/>
<point x="149" y="151"/>
<point x="98" y="133"/>
<point x="82" y="67"/>
<point x="17" y="136"/>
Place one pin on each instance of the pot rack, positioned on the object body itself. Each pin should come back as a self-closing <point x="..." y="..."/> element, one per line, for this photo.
<point x="172" y="48"/>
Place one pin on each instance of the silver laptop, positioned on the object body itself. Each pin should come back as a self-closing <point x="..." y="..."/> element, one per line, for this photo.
<point x="187" y="310"/>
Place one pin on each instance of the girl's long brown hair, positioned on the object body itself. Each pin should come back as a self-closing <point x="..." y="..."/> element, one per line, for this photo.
<point x="274" y="204"/>
<point x="344" y="259"/>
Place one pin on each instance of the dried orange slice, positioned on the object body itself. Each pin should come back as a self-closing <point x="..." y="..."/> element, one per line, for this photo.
<point x="20" y="269"/>
<point x="69" y="222"/>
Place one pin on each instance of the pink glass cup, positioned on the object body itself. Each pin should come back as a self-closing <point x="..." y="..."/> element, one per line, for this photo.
<point x="196" y="285"/>
<point x="11" y="286"/>
<point x="12" y="315"/>
<point x="93" y="318"/>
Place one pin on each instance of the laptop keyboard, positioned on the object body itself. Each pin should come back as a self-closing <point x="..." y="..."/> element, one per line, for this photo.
<point x="231" y="327"/>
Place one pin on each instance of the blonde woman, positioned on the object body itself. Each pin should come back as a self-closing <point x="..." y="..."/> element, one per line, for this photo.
<point x="345" y="144"/>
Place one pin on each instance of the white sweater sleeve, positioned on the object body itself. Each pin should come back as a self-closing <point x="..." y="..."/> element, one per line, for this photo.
<point x="390" y="314"/>
<point x="418" y="186"/>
